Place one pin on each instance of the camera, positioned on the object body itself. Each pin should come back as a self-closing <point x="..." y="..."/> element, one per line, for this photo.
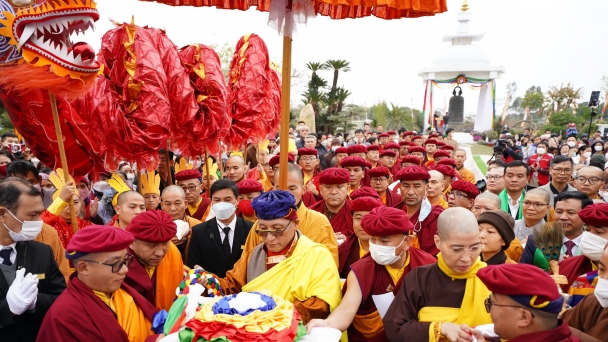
<point x="500" y="145"/>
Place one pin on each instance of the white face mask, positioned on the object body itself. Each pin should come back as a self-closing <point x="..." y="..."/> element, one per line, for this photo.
<point x="29" y="230"/>
<point x="384" y="255"/>
<point x="541" y="150"/>
<point x="587" y="154"/>
<point x="334" y="148"/>
<point x="571" y="143"/>
<point x="598" y="148"/>
<point x="601" y="292"/>
<point x="223" y="210"/>
<point x="131" y="176"/>
<point x="592" y="246"/>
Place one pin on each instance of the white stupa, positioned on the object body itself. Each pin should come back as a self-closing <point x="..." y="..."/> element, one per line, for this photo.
<point x="463" y="57"/>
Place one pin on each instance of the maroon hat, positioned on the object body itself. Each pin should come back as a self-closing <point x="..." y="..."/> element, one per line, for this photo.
<point x="334" y="175"/>
<point x="404" y="143"/>
<point x="433" y="135"/>
<point x="383" y="135"/>
<point x="416" y="137"/>
<point x="391" y="132"/>
<point x="365" y="203"/>
<point x="430" y="141"/>
<point x="154" y="226"/>
<point x="97" y="239"/>
<point x="410" y="159"/>
<point x="353" y="161"/>
<point x="440" y="143"/>
<point x="275" y="160"/>
<point x="595" y="214"/>
<point x="448" y="161"/>
<point x="383" y="221"/>
<point x="388" y="153"/>
<point x="364" y="191"/>
<point x="413" y="172"/>
<point x="447" y="147"/>
<point x="466" y="187"/>
<point x="357" y="149"/>
<point x="391" y="145"/>
<point x="445" y="170"/>
<point x="342" y="150"/>
<point x="417" y="149"/>
<point x="441" y="153"/>
<point x="507" y="279"/>
<point x="379" y="171"/>
<point x="408" y="133"/>
<point x="187" y="174"/>
<point x="247" y="186"/>
<point x="373" y="148"/>
<point x="308" y="151"/>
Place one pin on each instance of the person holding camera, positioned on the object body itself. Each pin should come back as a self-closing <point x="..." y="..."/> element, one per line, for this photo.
<point x="510" y="152"/>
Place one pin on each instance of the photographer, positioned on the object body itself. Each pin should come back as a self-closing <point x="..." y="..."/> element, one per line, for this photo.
<point x="509" y="151"/>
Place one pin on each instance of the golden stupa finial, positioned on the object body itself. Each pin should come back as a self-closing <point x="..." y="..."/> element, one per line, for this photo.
<point x="465" y="6"/>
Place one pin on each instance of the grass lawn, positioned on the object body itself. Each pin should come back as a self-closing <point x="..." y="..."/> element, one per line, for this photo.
<point x="478" y="150"/>
<point x="480" y="164"/>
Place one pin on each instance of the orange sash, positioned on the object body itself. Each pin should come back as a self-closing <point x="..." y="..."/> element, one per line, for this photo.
<point x="169" y="274"/>
<point x="131" y="318"/>
<point x="368" y="325"/>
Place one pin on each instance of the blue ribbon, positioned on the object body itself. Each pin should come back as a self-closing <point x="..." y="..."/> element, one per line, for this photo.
<point x="223" y="305"/>
<point x="158" y="321"/>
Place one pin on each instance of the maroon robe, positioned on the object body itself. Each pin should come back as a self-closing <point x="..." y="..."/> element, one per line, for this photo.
<point x="374" y="279"/>
<point x="392" y="198"/>
<point x="561" y="333"/>
<point x="309" y="199"/>
<point x="426" y="230"/>
<point x="574" y="267"/>
<point x="79" y="315"/>
<point x="202" y="208"/>
<point x="589" y="317"/>
<point x="342" y="222"/>
<point x="138" y="278"/>
<point x="348" y="254"/>
<point x="395" y="169"/>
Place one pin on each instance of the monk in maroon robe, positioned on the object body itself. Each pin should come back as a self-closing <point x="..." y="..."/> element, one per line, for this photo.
<point x="379" y="273"/>
<point x="335" y="204"/>
<point x="357" y="245"/>
<point x="380" y="178"/>
<point x="413" y="191"/>
<point x="191" y="182"/>
<point x="97" y="305"/>
<point x="356" y="166"/>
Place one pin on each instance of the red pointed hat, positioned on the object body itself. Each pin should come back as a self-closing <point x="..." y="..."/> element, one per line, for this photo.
<point x="334" y="175"/>
<point x="247" y="186"/>
<point x="595" y="214"/>
<point x="353" y="161"/>
<point x="357" y="149"/>
<point x="154" y="226"/>
<point x="384" y="221"/>
<point x="365" y="203"/>
<point x="308" y="151"/>
<point x="97" y="239"/>
<point x="466" y="187"/>
<point x="410" y="159"/>
<point x="412" y="173"/>
<point x="379" y="171"/>
<point x="187" y="174"/>
<point x="364" y="191"/>
<point x="373" y="148"/>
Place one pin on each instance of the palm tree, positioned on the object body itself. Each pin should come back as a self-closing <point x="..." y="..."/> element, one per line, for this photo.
<point x="337" y="65"/>
<point x="562" y="98"/>
<point x="314" y="97"/>
<point x="341" y="96"/>
<point x="396" y="117"/>
<point x="314" y="67"/>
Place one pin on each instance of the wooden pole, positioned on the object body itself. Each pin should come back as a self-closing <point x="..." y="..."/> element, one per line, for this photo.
<point x="219" y="161"/>
<point x="64" y="160"/>
<point x="168" y="165"/>
<point x="285" y="106"/>
<point x="207" y="170"/>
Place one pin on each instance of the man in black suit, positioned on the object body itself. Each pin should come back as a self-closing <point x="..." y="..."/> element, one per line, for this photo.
<point x="218" y="243"/>
<point x="30" y="279"/>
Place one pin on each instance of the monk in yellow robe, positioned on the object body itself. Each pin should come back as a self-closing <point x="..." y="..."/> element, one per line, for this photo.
<point x="174" y="202"/>
<point x="287" y="263"/>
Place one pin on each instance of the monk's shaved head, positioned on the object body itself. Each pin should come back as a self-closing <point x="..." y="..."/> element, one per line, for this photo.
<point x="235" y="160"/>
<point x="456" y="220"/>
<point x="436" y="175"/>
<point x="292" y="169"/>
<point x="544" y="194"/>
<point x="128" y="195"/>
<point x="490" y="197"/>
<point x="174" y="189"/>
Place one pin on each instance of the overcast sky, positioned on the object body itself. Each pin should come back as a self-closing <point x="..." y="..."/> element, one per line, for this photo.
<point x="540" y="42"/>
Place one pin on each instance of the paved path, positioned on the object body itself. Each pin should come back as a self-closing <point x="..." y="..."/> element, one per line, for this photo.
<point x="465" y="140"/>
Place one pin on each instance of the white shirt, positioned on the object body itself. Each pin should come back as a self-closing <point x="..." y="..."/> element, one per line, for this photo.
<point x="514" y="208"/>
<point x="522" y="231"/>
<point x="13" y="257"/>
<point x="231" y="225"/>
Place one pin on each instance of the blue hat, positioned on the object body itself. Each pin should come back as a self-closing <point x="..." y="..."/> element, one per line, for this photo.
<point x="274" y="205"/>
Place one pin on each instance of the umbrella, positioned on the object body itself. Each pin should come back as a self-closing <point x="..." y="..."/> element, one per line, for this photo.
<point x="284" y="15"/>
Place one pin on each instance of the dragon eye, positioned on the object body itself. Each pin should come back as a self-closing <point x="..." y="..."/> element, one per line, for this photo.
<point x="21" y="3"/>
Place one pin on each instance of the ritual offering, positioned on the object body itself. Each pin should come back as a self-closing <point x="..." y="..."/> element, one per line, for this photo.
<point x="208" y="280"/>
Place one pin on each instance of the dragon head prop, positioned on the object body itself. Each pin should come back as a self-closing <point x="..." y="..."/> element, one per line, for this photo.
<point x="36" y="49"/>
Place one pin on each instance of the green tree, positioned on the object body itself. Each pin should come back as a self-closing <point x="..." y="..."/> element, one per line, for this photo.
<point x="337" y="65"/>
<point x="558" y="122"/>
<point x="561" y="98"/>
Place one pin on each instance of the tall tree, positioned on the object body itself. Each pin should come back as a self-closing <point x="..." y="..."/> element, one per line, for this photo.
<point x="562" y="98"/>
<point x="337" y="65"/>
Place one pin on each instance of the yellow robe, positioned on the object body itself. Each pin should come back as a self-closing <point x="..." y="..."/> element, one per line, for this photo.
<point x="169" y="273"/>
<point x="313" y="225"/>
<point x="467" y="175"/>
<point x="128" y="314"/>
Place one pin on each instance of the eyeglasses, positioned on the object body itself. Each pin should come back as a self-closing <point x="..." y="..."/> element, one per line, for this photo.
<point x="495" y="177"/>
<point x="456" y="194"/>
<point x="536" y="205"/>
<point x="560" y="170"/>
<point x="592" y="180"/>
<point x="378" y="179"/>
<point x="191" y="188"/>
<point x="117" y="266"/>
<point x="275" y="233"/>
<point x="488" y="304"/>
<point x="308" y="158"/>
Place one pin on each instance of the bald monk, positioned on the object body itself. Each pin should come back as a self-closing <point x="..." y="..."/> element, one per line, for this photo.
<point x="173" y="202"/>
<point x="313" y="225"/>
<point x="434" y="189"/>
<point x="307" y="276"/>
<point x="98" y="305"/>
<point x="436" y="299"/>
<point x="357" y="245"/>
<point x="157" y="269"/>
<point x="378" y="273"/>
<point x="335" y="204"/>
<point x="191" y="183"/>
<point x="236" y="170"/>
<point x="128" y="205"/>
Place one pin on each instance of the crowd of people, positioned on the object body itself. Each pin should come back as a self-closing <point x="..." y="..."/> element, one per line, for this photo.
<point x="386" y="236"/>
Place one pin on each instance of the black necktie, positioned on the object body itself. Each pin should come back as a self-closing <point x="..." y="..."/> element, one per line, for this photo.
<point x="5" y="254"/>
<point x="226" y="242"/>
